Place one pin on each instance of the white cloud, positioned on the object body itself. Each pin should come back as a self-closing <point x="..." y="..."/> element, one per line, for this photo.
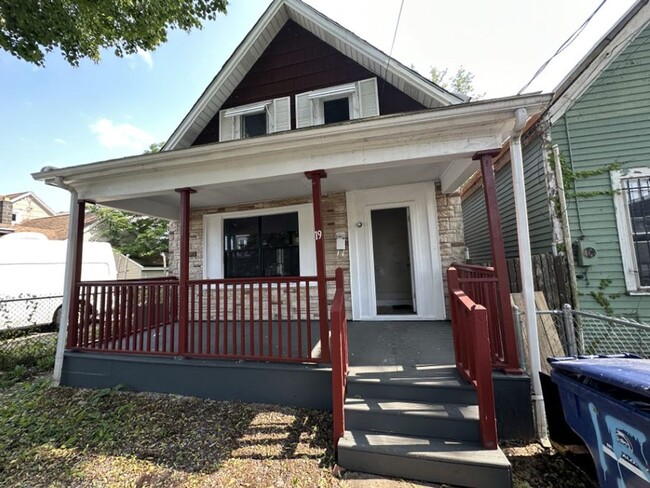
<point x="146" y="57"/>
<point x="58" y="140"/>
<point x="125" y="136"/>
<point x="143" y="55"/>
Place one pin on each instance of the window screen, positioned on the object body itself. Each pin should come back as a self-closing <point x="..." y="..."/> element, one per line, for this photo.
<point x="254" y="125"/>
<point x="336" y="110"/>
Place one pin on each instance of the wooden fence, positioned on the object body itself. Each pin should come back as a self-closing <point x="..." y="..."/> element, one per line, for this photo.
<point x="551" y="275"/>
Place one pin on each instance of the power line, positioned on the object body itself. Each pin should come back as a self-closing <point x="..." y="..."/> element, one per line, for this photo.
<point x="390" y="54"/>
<point x="563" y="46"/>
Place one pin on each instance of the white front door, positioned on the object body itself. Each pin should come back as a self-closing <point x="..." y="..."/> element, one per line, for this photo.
<point x="395" y="269"/>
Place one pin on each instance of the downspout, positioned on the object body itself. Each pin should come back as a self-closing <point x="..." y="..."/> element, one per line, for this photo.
<point x="527" y="283"/>
<point x="67" y="278"/>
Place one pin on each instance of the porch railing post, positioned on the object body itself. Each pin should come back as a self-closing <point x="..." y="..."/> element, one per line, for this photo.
<point x="73" y="317"/>
<point x="511" y="362"/>
<point x="184" y="269"/>
<point x="315" y="177"/>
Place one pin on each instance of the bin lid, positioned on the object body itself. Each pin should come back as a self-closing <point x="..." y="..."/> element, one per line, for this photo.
<point x="628" y="373"/>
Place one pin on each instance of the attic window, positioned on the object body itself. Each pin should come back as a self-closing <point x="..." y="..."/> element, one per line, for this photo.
<point x="253" y="125"/>
<point x="255" y="119"/>
<point x="336" y="110"/>
<point x="337" y="103"/>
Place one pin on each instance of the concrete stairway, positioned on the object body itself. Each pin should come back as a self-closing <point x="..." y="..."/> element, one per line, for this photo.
<point x="418" y="428"/>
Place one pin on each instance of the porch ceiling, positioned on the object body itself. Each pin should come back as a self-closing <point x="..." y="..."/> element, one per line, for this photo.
<point x="433" y="145"/>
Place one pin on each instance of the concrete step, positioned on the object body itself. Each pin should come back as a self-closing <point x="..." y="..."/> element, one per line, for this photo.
<point x="443" y="420"/>
<point x="451" y="389"/>
<point x="460" y="463"/>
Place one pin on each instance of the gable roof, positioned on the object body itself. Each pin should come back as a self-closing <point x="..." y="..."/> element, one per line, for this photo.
<point x="599" y="58"/>
<point x="251" y="48"/>
<point x="14" y="197"/>
<point x="579" y="79"/>
<point x="55" y="228"/>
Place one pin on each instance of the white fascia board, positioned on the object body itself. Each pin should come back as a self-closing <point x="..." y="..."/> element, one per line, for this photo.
<point x="365" y="48"/>
<point x="424" y="123"/>
<point x="226" y="72"/>
<point x="600" y="63"/>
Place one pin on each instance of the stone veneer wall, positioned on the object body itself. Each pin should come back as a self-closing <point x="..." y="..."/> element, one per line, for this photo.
<point x="450" y="225"/>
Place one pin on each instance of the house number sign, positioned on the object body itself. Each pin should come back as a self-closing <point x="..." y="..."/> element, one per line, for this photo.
<point x="318" y="234"/>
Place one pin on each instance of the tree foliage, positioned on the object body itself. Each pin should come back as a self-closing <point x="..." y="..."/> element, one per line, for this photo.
<point x="142" y="238"/>
<point x="461" y="82"/>
<point x="81" y="28"/>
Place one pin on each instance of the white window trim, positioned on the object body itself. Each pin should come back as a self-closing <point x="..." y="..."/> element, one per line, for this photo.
<point x="351" y="91"/>
<point x="213" y="239"/>
<point x="253" y="108"/>
<point x="623" y="224"/>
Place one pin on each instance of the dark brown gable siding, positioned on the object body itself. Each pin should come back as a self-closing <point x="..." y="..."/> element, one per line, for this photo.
<point x="296" y="61"/>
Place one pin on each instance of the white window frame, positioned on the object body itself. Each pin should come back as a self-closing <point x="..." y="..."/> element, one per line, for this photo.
<point x="213" y="238"/>
<point x="624" y="226"/>
<point x="269" y="107"/>
<point x="317" y="98"/>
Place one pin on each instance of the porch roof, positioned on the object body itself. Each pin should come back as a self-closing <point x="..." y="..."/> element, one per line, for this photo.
<point x="431" y="145"/>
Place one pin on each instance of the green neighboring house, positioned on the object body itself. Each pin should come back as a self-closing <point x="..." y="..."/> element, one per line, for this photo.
<point x="599" y="121"/>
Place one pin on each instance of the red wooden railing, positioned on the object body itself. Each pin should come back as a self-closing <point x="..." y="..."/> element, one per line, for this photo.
<point x="472" y="349"/>
<point x="263" y="319"/>
<point x="267" y="319"/>
<point x="339" y="350"/>
<point x="128" y="316"/>
<point x="481" y="285"/>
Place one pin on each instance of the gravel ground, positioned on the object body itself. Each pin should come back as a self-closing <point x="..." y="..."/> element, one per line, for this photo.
<point x="109" y="438"/>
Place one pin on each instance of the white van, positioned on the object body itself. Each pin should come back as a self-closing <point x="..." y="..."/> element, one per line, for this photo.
<point x="32" y="271"/>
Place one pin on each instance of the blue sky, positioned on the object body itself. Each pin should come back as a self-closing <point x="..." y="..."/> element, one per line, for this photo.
<point x="62" y="116"/>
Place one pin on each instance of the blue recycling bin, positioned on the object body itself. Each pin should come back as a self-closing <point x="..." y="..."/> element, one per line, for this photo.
<point x="606" y="401"/>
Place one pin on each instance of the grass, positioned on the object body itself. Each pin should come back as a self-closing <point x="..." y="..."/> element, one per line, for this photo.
<point x="24" y="357"/>
<point x="75" y="437"/>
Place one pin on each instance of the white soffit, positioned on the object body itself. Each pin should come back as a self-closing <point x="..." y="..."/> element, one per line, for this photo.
<point x="257" y="40"/>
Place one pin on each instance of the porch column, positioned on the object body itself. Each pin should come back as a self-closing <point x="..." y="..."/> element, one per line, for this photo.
<point x="315" y="177"/>
<point x="183" y="268"/>
<point x="78" y="243"/>
<point x="499" y="259"/>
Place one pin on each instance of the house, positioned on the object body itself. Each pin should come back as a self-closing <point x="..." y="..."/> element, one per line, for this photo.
<point x="316" y="179"/>
<point x="17" y="207"/>
<point x="586" y="173"/>
<point x="56" y="227"/>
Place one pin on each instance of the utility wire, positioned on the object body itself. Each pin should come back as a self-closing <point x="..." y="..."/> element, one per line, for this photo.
<point x="390" y="54"/>
<point x="564" y="45"/>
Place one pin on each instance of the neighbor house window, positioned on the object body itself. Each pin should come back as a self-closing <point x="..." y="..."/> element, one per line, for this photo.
<point x="267" y="245"/>
<point x="337" y="103"/>
<point x="255" y="119"/>
<point x="259" y="243"/>
<point x="632" y="202"/>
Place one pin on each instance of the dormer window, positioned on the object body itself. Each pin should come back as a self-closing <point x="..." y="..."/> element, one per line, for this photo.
<point x="338" y="103"/>
<point x="255" y="119"/>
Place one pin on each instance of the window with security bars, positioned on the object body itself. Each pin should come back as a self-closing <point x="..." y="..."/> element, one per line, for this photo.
<point x="266" y="245"/>
<point x="637" y="198"/>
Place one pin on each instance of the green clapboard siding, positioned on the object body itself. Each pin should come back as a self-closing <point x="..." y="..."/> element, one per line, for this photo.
<point x="475" y="219"/>
<point x="610" y="122"/>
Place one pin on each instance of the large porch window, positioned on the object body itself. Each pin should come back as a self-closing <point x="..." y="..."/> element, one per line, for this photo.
<point x="262" y="246"/>
<point x="260" y="243"/>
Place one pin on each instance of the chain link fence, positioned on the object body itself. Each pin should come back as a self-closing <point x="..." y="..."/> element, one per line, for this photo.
<point x="588" y="333"/>
<point x="28" y="334"/>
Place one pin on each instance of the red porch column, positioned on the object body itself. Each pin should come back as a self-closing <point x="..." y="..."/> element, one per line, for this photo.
<point x="73" y="317"/>
<point x="315" y="177"/>
<point x="499" y="259"/>
<point x="183" y="268"/>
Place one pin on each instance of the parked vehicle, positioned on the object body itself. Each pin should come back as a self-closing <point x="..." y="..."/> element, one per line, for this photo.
<point x="31" y="277"/>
